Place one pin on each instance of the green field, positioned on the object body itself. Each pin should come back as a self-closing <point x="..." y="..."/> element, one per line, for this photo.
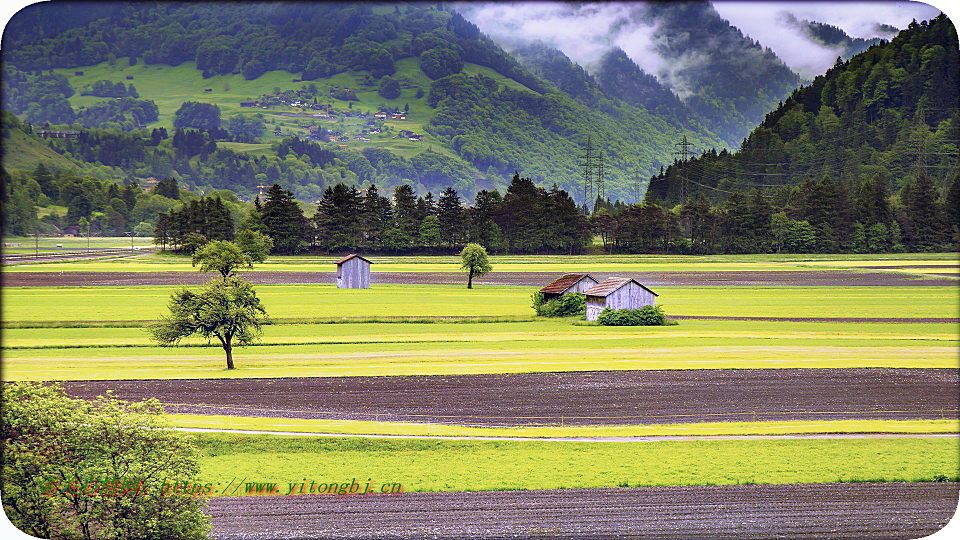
<point x="309" y="302"/>
<point x="85" y="333"/>
<point x="99" y="332"/>
<point x="48" y="244"/>
<point x="516" y="263"/>
<point x="464" y="348"/>
<point x="423" y="465"/>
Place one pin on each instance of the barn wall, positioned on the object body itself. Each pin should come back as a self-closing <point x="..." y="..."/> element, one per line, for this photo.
<point x="630" y="296"/>
<point x="594" y="307"/>
<point x="353" y="274"/>
<point x="581" y="286"/>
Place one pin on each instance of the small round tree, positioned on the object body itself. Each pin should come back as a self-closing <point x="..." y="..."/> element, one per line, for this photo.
<point x="255" y="244"/>
<point x="474" y="260"/>
<point x="223" y="257"/>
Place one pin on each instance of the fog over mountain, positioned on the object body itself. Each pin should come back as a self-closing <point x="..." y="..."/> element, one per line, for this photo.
<point x="585" y="31"/>
<point x="774" y="25"/>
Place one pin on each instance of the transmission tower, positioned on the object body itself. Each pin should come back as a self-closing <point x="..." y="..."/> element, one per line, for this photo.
<point x="586" y="164"/>
<point x="636" y="185"/>
<point x="601" y="190"/>
<point x="684" y="154"/>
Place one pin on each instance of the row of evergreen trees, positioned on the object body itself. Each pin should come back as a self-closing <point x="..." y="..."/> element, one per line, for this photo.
<point x="526" y="219"/>
<point x="817" y="216"/>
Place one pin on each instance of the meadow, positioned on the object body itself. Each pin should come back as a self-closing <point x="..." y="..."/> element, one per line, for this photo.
<point x="424" y="465"/>
<point x="420" y="429"/>
<point x="322" y="301"/>
<point x="467" y="348"/>
<point x="502" y="263"/>
<point x="170" y="86"/>
<point x="99" y="333"/>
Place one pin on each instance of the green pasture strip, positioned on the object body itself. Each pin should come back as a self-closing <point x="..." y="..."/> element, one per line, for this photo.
<point x="453" y="358"/>
<point x="26" y="304"/>
<point x="438" y="319"/>
<point x="365" y="427"/>
<point x="281" y="301"/>
<point x="425" y="465"/>
<point x="532" y="334"/>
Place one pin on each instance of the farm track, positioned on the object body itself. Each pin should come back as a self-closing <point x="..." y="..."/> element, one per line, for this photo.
<point x="807" y="278"/>
<point x="861" y="510"/>
<point x="74" y="255"/>
<point x="572" y="398"/>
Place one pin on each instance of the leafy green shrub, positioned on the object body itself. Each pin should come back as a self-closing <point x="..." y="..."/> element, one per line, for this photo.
<point x="645" y="316"/>
<point x="567" y="305"/>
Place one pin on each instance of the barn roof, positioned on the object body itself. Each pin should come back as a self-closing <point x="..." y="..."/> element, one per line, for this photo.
<point x="563" y="283"/>
<point x="351" y="256"/>
<point x="610" y="285"/>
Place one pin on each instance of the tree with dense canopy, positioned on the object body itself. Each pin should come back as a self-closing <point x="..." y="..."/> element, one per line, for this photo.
<point x="474" y="260"/>
<point x="223" y="257"/>
<point x="228" y="310"/>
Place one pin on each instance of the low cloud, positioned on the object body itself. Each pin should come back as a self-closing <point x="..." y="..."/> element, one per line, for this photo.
<point x="771" y="23"/>
<point x="585" y="31"/>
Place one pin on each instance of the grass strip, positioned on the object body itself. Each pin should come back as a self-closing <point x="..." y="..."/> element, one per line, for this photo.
<point x="365" y="427"/>
<point x="436" y="319"/>
<point x="430" y="465"/>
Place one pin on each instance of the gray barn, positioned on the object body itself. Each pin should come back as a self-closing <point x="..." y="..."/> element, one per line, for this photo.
<point x="353" y="272"/>
<point x="617" y="293"/>
<point x="568" y="283"/>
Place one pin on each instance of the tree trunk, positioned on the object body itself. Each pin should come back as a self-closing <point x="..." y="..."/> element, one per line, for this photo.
<point x="470" y="279"/>
<point x="229" y="350"/>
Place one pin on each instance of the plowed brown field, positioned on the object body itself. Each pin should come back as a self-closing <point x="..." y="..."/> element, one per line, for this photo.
<point x="584" y="398"/>
<point x="891" y="510"/>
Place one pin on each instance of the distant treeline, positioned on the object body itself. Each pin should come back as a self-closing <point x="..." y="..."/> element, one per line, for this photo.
<point x="526" y="219"/>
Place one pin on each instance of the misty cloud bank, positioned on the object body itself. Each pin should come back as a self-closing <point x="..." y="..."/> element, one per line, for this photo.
<point x="584" y="32"/>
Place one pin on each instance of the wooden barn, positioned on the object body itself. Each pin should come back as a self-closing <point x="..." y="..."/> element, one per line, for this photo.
<point x="568" y="283"/>
<point x="353" y="272"/>
<point x="617" y="293"/>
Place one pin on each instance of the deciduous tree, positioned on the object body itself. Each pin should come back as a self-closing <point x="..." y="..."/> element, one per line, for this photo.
<point x="474" y="261"/>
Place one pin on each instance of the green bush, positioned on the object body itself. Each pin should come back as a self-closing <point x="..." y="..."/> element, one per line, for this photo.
<point x="567" y="305"/>
<point x="645" y="316"/>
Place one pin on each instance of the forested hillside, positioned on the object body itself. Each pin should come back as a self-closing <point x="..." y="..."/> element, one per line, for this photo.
<point x="384" y="57"/>
<point x="873" y="141"/>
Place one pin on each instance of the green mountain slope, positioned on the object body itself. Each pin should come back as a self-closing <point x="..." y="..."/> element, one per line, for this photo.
<point x="224" y="54"/>
<point x="21" y="150"/>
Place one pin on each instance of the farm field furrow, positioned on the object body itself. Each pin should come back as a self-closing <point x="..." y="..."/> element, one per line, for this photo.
<point x="856" y="511"/>
<point x="579" y="398"/>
